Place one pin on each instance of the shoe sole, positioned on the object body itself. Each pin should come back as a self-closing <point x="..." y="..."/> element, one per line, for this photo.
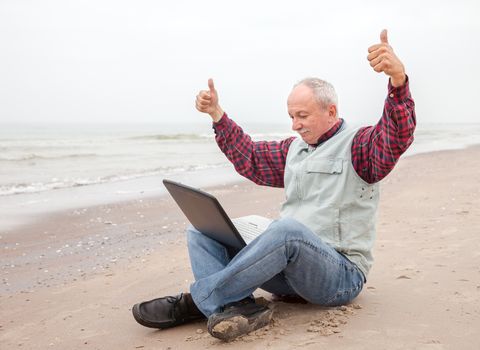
<point x="233" y="327"/>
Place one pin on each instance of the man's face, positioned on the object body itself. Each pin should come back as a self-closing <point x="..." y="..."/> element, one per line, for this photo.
<point x="309" y="119"/>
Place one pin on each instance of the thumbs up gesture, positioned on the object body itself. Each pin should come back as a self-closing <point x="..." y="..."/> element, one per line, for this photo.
<point x="383" y="59"/>
<point x="207" y="102"/>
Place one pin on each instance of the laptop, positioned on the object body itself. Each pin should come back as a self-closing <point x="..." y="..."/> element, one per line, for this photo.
<point x="207" y="215"/>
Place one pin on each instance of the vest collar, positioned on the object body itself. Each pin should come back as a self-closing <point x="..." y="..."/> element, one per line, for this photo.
<point x="334" y="130"/>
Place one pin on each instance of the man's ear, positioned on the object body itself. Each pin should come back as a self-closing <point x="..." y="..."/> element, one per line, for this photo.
<point x="332" y="111"/>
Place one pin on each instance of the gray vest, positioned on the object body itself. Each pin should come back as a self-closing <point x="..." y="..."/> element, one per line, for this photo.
<point x="324" y="192"/>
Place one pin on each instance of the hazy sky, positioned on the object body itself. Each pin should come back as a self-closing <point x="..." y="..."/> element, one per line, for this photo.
<point x="144" y="61"/>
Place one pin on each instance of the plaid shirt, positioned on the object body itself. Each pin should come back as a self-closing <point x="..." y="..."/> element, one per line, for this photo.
<point x="375" y="149"/>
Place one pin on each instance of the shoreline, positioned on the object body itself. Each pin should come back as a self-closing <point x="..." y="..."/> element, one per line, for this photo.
<point x="78" y="272"/>
<point x="27" y="208"/>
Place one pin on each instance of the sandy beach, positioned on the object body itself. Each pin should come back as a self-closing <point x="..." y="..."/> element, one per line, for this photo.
<point x="69" y="280"/>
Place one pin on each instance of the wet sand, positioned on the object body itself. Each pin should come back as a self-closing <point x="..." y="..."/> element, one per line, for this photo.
<point x="68" y="280"/>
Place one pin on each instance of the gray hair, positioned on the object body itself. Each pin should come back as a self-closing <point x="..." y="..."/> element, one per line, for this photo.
<point x="324" y="92"/>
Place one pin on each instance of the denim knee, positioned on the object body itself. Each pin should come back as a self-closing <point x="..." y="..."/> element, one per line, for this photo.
<point x="195" y="237"/>
<point x="286" y="228"/>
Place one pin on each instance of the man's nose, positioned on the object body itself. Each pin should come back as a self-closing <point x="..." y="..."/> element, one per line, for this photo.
<point x="296" y="125"/>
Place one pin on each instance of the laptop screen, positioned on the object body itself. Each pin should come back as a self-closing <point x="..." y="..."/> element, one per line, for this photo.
<point x="205" y="213"/>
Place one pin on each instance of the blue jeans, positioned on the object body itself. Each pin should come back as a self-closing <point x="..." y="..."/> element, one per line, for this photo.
<point x="287" y="259"/>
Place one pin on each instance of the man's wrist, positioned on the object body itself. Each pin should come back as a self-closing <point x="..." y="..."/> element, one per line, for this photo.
<point x="398" y="80"/>
<point x="217" y="114"/>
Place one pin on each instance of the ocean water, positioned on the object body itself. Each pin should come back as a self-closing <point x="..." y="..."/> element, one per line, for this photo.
<point x="50" y="167"/>
<point x="44" y="158"/>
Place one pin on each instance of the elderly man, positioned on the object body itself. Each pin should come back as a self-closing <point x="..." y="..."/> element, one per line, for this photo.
<point x="320" y="248"/>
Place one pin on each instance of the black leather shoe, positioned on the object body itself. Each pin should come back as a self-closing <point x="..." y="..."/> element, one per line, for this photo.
<point x="238" y="319"/>
<point x="167" y="312"/>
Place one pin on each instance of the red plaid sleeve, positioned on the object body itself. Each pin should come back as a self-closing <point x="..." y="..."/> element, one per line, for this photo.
<point x="376" y="149"/>
<point x="262" y="162"/>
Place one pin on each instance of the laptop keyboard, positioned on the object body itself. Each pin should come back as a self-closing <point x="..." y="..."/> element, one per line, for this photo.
<point x="247" y="230"/>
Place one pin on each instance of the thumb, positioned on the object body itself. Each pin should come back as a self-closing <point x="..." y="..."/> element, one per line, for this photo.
<point x="211" y="87"/>
<point x="383" y="37"/>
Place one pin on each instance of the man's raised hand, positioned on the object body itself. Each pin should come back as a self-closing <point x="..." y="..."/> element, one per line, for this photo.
<point x="383" y="59"/>
<point x="207" y="102"/>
